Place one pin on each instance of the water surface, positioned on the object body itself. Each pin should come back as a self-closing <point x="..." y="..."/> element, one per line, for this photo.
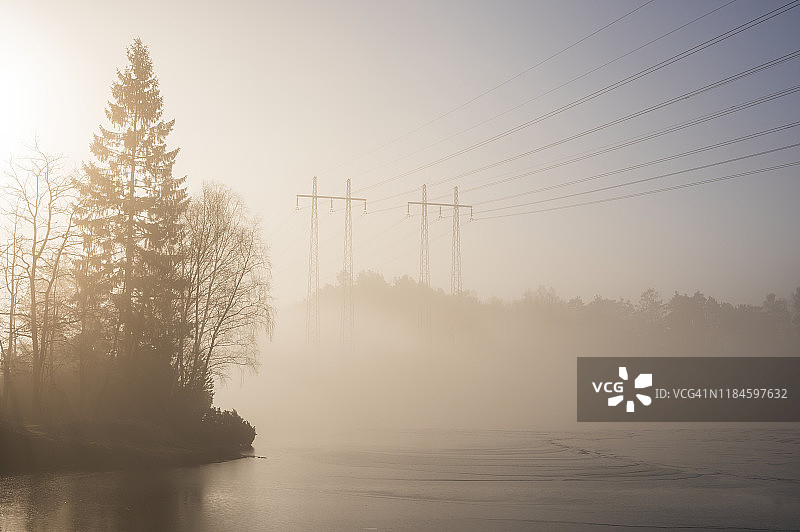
<point x="728" y="479"/>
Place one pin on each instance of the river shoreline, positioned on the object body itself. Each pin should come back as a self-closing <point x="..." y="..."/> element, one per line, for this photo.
<point x="657" y="478"/>
<point x="101" y="447"/>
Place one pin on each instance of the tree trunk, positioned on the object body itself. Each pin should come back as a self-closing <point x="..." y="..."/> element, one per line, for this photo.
<point x="37" y="359"/>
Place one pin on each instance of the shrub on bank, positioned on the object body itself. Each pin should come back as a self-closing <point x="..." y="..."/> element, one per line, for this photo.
<point x="226" y="428"/>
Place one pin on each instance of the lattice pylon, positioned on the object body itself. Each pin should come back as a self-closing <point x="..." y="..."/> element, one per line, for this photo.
<point x="425" y="269"/>
<point x="348" y="323"/>
<point x="424" y="262"/>
<point x="455" y="275"/>
<point x="312" y="311"/>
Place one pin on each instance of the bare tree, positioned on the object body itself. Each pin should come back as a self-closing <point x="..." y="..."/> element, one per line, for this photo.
<point x="12" y="279"/>
<point x="41" y="193"/>
<point x="226" y="298"/>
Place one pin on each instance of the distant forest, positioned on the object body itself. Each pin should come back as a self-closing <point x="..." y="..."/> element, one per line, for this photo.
<point x="121" y="297"/>
<point x="681" y="325"/>
<point x="488" y="364"/>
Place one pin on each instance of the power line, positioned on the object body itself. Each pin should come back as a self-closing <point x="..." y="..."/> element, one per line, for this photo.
<point x="404" y="253"/>
<point x="646" y="193"/>
<point x="685" y="96"/>
<point x="357" y="246"/>
<point x="280" y="225"/>
<point x="490" y="90"/>
<point x="403" y="239"/>
<point x="658" y="66"/>
<point x="663" y="159"/>
<point x="645" y="164"/>
<point x="381" y="233"/>
<point x="649" y="136"/>
<point x="645" y="180"/>
<point x="383" y="249"/>
<point x="586" y="155"/>
<point x="661" y="176"/>
<point x="540" y="95"/>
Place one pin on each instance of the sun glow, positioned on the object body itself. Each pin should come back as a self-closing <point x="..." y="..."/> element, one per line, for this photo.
<point x="22" y="96"/>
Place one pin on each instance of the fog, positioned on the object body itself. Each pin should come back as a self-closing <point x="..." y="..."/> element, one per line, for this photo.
<point x="483" y="365"/>
<point x="520" y="184"/>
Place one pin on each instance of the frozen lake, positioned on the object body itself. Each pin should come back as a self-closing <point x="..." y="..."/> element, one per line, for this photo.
<point x="718" y="478"/>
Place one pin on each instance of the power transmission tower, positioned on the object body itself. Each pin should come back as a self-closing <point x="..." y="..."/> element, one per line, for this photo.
<point x="425" y="272"/>
<point x="348" y="326"/>
<point x="312" y="314"/>
<point x="312" y="311"/>
<point x="455" y="274"/>
<point x="424" y="265"/>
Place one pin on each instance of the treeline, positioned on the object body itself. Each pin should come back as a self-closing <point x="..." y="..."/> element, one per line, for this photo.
<point x="540" y="321"/>
<point x="120" y="295"/>
<point x="482" y="364"/>
<point x="683" y="325"/>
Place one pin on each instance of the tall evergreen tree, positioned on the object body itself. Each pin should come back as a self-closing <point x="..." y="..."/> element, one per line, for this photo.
<point x="129" y="213"/>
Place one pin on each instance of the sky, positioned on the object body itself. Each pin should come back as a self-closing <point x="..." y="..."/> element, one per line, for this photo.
<point x="267" y="95"/>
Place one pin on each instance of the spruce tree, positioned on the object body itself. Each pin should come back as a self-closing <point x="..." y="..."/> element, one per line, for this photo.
<point x="129" y="214"/>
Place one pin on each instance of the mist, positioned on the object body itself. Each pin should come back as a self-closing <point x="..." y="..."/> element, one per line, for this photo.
<point x="344" y="266"/>
<point x="494" y="365"/>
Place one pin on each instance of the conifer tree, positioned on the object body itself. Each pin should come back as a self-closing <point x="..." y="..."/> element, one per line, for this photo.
<point x="129" y="214"/>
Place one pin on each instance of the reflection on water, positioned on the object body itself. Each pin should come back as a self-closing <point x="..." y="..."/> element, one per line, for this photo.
<point x="141" y="500"/>
<point x="726" y="478"/>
